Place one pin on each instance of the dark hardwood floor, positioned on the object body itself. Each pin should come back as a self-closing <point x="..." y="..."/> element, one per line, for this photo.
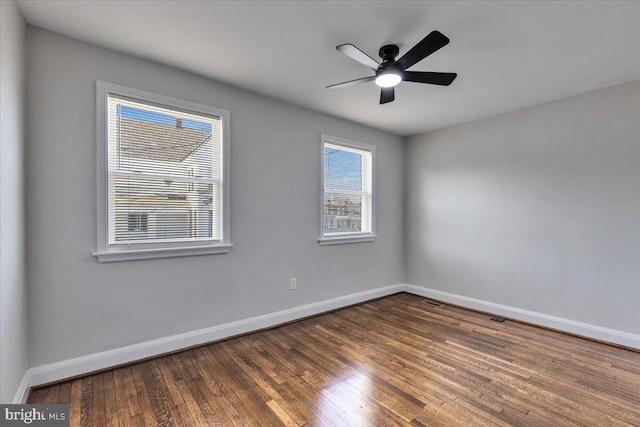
<point x="392" y="361"/>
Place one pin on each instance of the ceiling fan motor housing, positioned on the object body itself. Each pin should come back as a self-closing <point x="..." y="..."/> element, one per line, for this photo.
<point x="388" y="52"/>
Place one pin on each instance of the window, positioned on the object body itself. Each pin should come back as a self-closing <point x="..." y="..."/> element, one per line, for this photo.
<point x="162" y="176"/>
<point x="347" y="191"/>
<point x="137" y="223"/>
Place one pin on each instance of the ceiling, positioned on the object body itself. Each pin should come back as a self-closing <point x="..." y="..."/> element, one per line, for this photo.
<point x="508" y="55"/>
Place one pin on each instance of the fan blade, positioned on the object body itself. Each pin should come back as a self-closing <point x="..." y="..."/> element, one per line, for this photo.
<point x="434" y="41"/>
<point x="354" y="53"/>
<point x="351" y="83"/>
<point x="442" y="79"/>
<point x="387" y="94"/>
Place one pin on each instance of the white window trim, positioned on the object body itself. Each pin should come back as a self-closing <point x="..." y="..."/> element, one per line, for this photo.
<point x="358" y="237"/>
<point x="107" y="253"/>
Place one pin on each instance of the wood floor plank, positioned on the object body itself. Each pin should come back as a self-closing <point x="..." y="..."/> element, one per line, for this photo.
<point x="98" y="406"/>
<point x="64" y="395"/>
<point x="181" y="414"/>
<point x="220" y="383"/>
<point x="142" y="396"/>
<point x="127" y="401"/>
<point x="159" y="397"/>
<point x="193" y="409"/>
<point x="395" y="361"/>
<point x="87" y="415"/>
<point x="75" y="399"/>
<point x="303" y="387"/>
<point x="52" y="394"/>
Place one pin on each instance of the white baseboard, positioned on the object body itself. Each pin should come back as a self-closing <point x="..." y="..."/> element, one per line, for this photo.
<point x="81" y="365"/>
<point x="23" y="389"/>
<point x="579" y="328"/>
<point x="97" y="361"/>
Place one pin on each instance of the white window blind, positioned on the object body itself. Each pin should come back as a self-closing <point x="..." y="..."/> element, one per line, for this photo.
<point x="165" y="174"/>
<point x="347" y="188"/>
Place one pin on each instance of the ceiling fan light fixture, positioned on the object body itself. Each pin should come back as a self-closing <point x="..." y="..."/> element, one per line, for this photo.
<point x="391" y="71"/>
<point x="389" y="79"/>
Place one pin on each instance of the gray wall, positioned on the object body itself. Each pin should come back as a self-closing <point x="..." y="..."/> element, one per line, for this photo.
<point x="78" y="306"/>
<point x="537" y="209"/>
<point x="13" y="304"/>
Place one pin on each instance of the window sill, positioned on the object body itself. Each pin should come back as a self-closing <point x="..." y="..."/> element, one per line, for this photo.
<point x="323" y="241"/>
<point x="130" y="255"/>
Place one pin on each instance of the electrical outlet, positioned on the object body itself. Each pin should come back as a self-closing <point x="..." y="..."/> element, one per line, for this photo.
<point x="292" y="284"/>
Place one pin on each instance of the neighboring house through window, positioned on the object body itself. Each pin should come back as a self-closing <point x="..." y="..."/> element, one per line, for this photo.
<point x="162" y="176"/>
<point x="137" y="222"/>
<point x="347" y="191"/>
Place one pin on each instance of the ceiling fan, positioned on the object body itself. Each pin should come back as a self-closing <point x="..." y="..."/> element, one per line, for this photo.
<point x="391" y="72"/>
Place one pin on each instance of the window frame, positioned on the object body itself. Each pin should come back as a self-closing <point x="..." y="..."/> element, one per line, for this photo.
<point x="106" y="252"/>
<point x="357" y="237"/>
